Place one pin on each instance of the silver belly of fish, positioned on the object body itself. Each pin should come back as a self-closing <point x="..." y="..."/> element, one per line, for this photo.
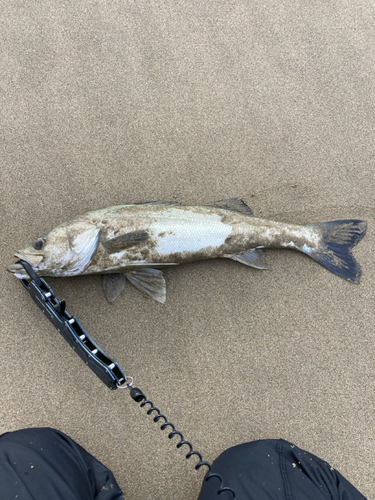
<point x="171" y="237"/>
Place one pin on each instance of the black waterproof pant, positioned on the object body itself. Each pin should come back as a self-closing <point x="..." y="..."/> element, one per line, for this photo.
<point x="46" y="464"/>
<point x="273" y="469"/>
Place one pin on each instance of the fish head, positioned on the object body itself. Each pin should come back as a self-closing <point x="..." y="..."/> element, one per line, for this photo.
<point x="67" y="250"/>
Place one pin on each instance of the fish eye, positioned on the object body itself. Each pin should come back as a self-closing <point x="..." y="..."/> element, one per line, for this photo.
<point x="39" y="244"/>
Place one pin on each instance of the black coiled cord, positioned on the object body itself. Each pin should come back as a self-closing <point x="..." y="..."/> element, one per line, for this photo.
<point x="139" y="397"/>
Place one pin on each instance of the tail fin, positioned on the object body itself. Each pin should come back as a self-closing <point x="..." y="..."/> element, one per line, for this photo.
<point x="338" y="238"/>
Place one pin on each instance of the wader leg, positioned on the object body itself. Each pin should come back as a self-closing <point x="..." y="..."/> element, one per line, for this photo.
<point x="46" y="464"/>
<point x="271" y="468"/>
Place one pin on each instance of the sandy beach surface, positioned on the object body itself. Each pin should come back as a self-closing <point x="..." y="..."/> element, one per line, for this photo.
<point x="107" y="102"/>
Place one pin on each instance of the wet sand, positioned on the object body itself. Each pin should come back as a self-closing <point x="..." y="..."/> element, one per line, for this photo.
<point x="103" y="103"/>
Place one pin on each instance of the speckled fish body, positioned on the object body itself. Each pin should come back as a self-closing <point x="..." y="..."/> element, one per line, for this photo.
<point x="136" y="237"/>
<point x="174" y="235"/>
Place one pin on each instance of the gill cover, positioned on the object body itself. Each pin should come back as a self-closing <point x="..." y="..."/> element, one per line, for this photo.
<point x="83" y="241"/>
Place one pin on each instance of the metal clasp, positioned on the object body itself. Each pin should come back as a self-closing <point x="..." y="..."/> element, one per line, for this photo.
<point x="125" y="385"/>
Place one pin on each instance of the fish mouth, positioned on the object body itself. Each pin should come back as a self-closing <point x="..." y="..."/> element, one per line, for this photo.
<point x="18" y="270"/>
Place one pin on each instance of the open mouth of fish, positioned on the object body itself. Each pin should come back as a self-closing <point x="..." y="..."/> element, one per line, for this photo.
<point x="18" y="270"/>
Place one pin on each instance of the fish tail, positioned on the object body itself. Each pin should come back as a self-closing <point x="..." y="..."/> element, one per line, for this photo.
<point x="334" y="251"/>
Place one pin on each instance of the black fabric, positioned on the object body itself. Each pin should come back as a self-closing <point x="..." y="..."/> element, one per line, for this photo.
<point x="46" y="464"/>
<point x="274" y="469"/>
<point x="43" y="463"/>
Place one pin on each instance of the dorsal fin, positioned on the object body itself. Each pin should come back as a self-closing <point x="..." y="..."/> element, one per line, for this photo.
<point x="168" y="203"/>
<point x="234" y="204"/>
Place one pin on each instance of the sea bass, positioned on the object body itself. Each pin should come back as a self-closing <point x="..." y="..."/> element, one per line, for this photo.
<point x="135" y="240"/>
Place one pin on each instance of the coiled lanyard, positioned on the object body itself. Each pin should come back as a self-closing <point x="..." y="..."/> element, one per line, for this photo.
<point x="106" y="368"/>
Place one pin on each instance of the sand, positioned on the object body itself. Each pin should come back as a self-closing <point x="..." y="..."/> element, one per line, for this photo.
<point x="106" y="102"/>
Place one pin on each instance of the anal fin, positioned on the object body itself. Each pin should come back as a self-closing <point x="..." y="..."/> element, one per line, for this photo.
<point x="113" y="285"/>
<point x="149" y="281"/>
<point x="253" y="258"/>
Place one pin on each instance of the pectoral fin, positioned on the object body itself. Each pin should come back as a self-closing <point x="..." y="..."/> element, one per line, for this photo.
<point x="113" y="285"/>
<point x="125" y="241"/>
<point x="149" y="281"/>
<point x="253" y="258"/>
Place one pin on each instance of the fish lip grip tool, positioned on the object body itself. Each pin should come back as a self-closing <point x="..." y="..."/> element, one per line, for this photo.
<point x="106" y="368"/>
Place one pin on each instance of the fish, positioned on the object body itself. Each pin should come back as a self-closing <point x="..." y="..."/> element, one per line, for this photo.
<point x="135" y="241"/>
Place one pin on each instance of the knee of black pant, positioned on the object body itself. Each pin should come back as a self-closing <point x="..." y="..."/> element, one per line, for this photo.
<point x="250" y="469"/>
<point x="45" y="463"/>
<point x="276" y="469"/>
<point x="22" y="434"/>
